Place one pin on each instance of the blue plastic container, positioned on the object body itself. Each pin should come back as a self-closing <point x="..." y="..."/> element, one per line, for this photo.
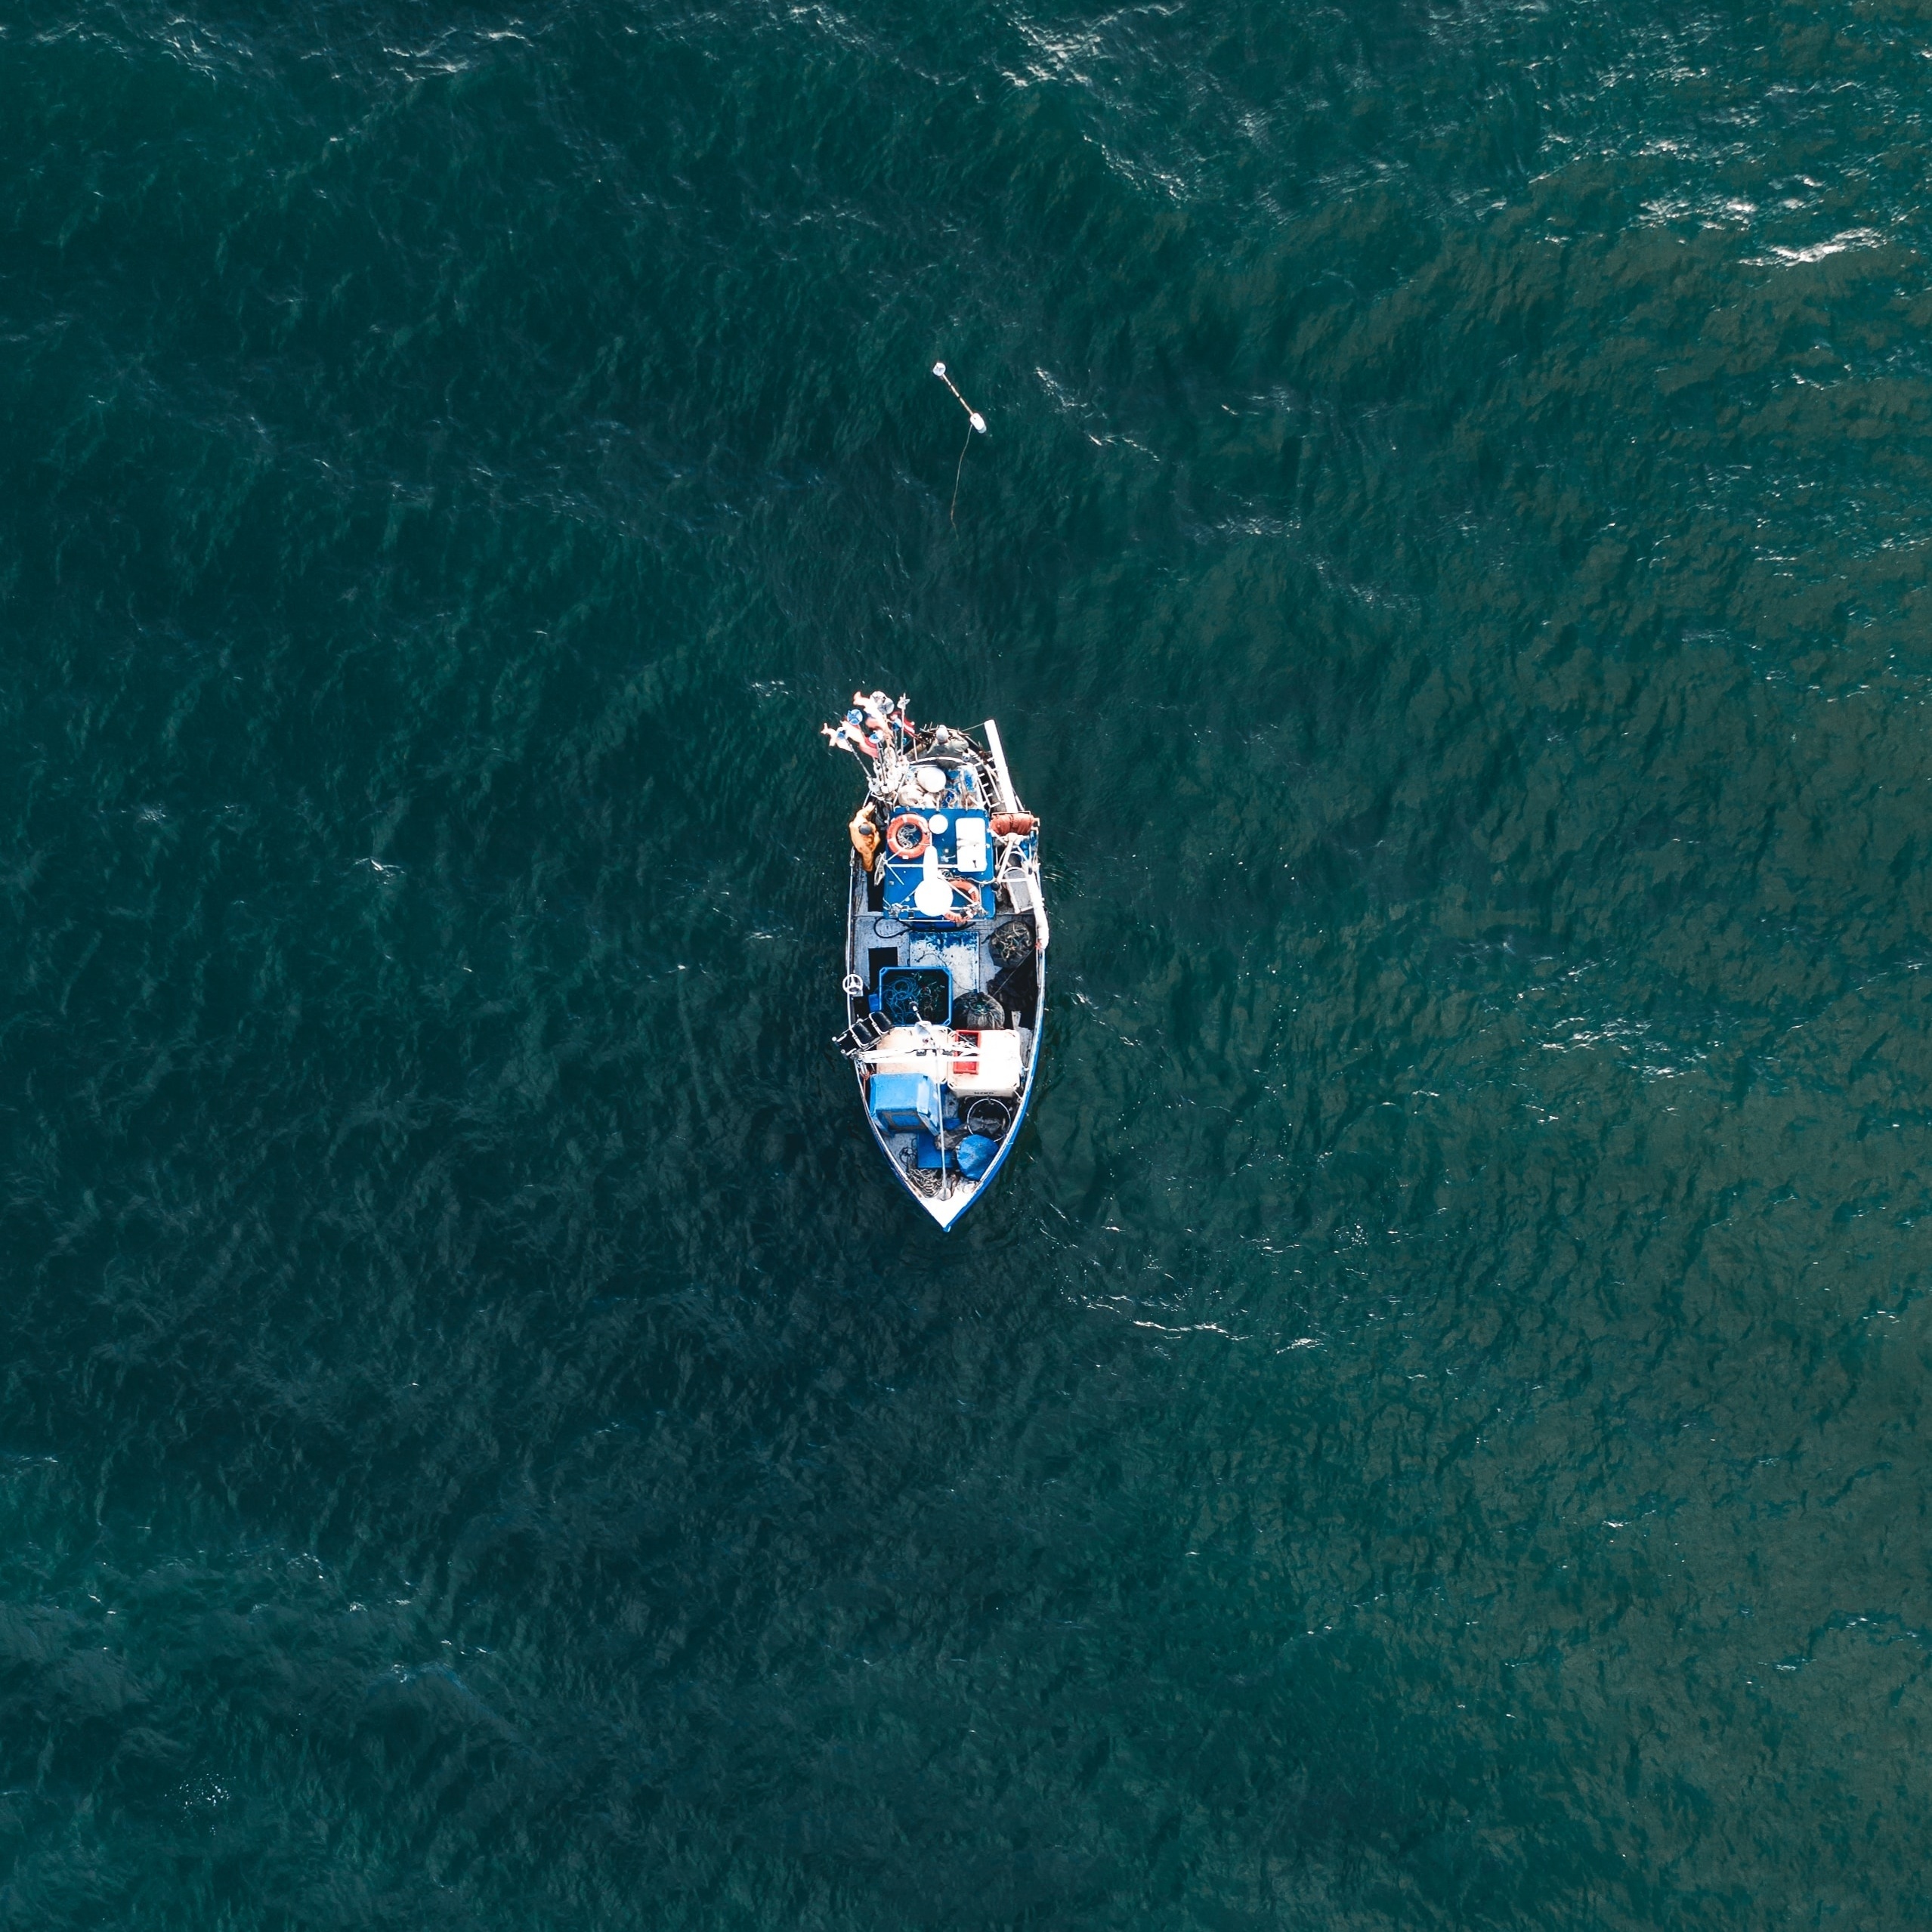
<point x="905" y="1103"/>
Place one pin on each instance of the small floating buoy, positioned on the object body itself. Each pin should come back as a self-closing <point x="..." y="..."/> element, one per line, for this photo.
<point x="979" y="427"/>
<point x="973" y="416"/>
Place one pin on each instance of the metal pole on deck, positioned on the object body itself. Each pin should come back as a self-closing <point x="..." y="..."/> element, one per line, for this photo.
<point x="1009" y="799"/>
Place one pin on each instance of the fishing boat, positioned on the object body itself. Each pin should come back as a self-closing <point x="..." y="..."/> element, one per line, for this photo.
<point x="946" y="937"/>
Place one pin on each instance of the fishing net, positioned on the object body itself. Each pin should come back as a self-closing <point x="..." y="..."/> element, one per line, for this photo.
<point x="1011" y="942"/>
<point x="909" y="994"/>
<point x="973" y="1012"/>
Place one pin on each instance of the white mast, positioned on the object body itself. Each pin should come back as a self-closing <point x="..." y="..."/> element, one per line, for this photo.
<point x="1009" y="798"/>
<point x="1024" y="885"/>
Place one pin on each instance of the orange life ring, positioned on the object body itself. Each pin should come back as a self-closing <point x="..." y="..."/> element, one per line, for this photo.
<point x="909" y="822"/>
<point x="965" y="915"/>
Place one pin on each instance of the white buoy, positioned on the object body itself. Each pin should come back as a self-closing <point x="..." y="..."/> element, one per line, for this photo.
<point x="973" y="416"/>
<point x="978" y="423"/>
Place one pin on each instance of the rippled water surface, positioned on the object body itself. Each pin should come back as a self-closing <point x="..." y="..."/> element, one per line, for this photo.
<point x="1428" y="1431"/>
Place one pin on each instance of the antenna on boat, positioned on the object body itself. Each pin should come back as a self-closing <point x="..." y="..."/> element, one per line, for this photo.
<point x="977" y="423"/>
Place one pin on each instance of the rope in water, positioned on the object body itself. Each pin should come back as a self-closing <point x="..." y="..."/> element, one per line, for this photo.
<point x="975" y="426"/>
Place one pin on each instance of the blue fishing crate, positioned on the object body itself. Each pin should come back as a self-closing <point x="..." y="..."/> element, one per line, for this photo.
<point x="906" y="1103"/>
<point x="909" y="994"/>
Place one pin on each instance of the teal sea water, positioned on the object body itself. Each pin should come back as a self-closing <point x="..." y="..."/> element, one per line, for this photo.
<point x="1430" y="1429"/>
